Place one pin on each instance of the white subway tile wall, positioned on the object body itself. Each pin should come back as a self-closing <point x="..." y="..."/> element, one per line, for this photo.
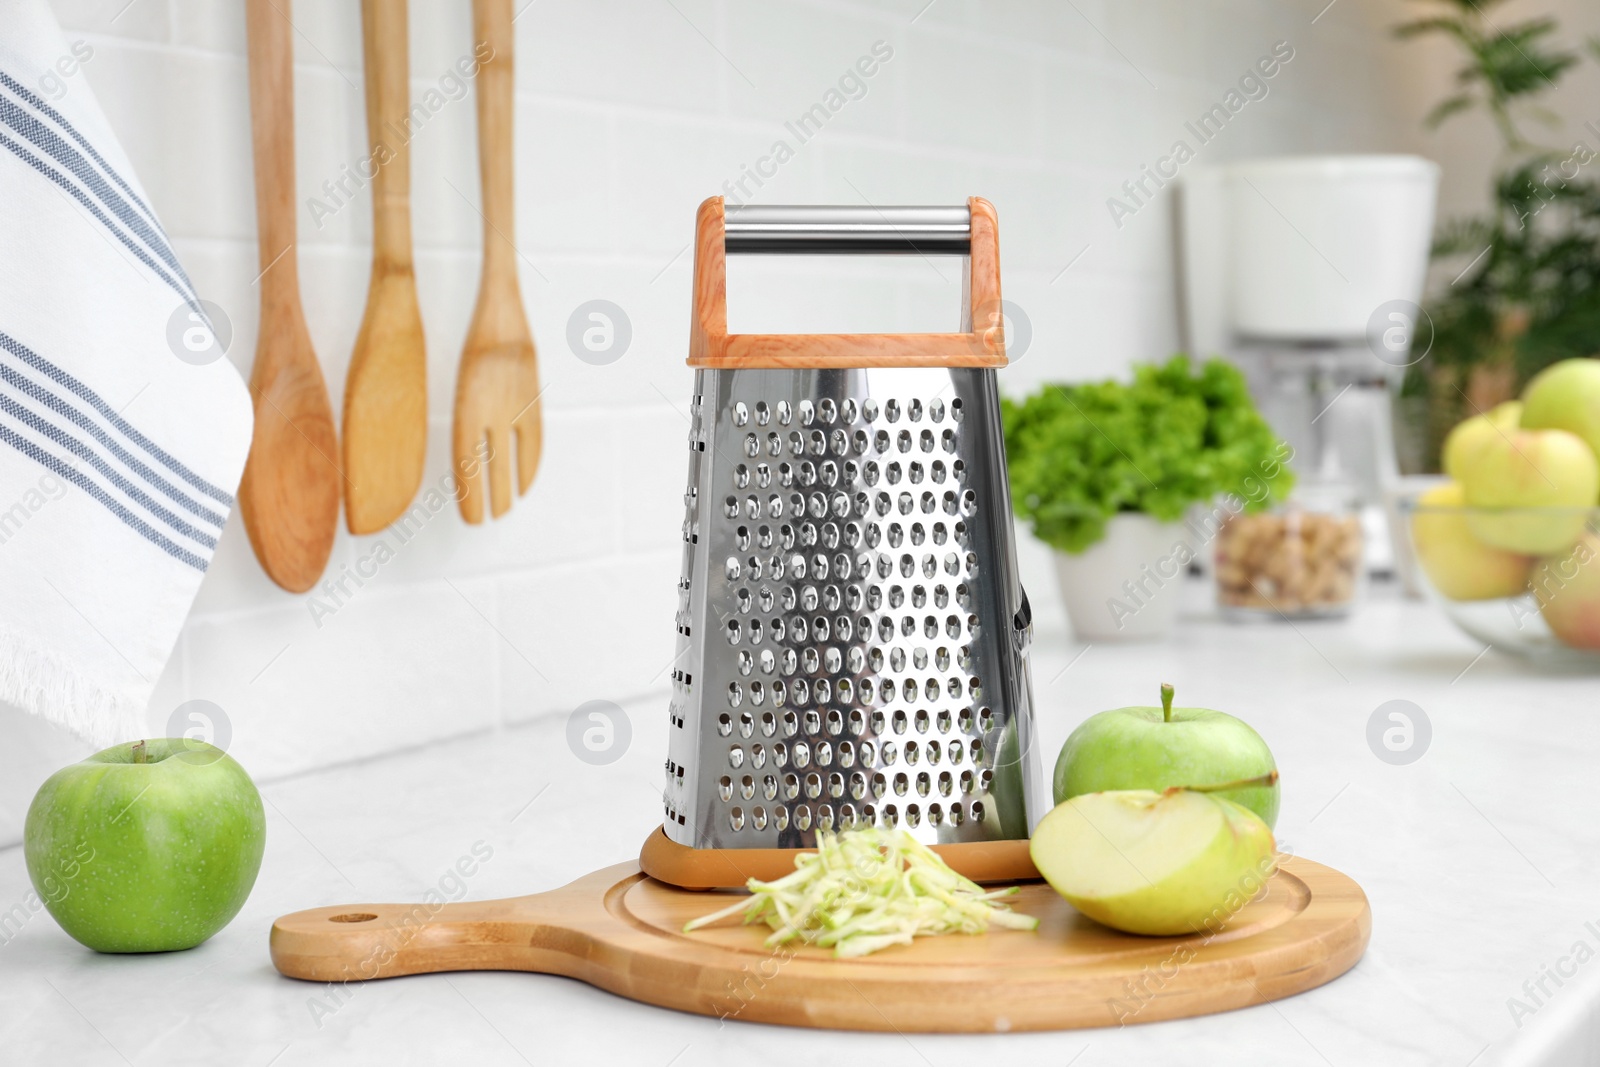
<point x="629" y="112"/>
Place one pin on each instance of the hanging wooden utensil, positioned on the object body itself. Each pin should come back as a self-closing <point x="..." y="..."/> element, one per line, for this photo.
<point x="386" y="391"/>
<point x="497" y="391"/>
<point x="289" y="497"/>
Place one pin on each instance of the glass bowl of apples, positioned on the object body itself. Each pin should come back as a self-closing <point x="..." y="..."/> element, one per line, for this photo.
<point x="1510" y="544"/>
<point x="1525" y="580"/>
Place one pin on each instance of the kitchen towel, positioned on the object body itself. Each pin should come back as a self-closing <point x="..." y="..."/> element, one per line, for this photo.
<point x="122" y="435"/>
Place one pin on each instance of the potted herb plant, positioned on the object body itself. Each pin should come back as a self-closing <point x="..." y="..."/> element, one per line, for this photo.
<point x="1104" y="472"/>
<point x="1524" y="288"/>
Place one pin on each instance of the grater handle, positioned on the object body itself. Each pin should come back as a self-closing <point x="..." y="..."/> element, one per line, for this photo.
<point x="720" y="231"/>
<point x="848" y="229"/>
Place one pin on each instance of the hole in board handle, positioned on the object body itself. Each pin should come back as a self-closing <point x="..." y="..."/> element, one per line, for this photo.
<point x="353" y="917"/>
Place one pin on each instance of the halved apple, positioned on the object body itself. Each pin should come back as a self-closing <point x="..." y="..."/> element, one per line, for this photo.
<point x="1178" y="862"/>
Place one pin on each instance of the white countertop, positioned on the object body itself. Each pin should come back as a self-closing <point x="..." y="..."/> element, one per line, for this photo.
<point x="1480" y="859"/>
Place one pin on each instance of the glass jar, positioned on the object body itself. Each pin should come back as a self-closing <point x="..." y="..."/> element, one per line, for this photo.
<point x="1301" y="560"/>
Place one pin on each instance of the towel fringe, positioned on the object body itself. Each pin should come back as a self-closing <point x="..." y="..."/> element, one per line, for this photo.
<point x="50" y="686"/>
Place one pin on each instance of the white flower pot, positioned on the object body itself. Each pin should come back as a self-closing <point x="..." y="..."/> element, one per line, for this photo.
<point x="1127" y="585"/>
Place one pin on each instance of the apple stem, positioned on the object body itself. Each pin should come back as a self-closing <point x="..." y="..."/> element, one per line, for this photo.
<point x="1166" y="701"/>
<point x="1270" y="778"/>
<point x="140" y="753"/>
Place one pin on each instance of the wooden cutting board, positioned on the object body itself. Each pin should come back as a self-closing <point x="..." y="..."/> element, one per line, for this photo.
<point x="622" y="931"/>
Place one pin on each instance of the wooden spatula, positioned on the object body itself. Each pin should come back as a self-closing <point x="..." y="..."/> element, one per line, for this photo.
<point x="289" y="497"/>
<point x="497" y="392"/>
<point x="386" y="392"/>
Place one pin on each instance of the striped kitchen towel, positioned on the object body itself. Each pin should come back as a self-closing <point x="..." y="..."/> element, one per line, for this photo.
<point x="122" y="432"/>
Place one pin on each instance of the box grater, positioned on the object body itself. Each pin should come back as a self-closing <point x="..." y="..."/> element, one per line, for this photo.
<point x="852" y="636"/>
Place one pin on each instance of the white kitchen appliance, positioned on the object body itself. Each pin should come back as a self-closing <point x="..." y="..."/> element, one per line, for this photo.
<point x="1308" y="271"/>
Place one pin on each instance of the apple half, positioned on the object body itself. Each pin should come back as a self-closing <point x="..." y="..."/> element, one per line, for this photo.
<point x="1177" y="862"/>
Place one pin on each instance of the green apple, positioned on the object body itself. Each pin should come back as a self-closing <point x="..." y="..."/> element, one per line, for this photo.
<point x="1180" y="861"/>
<point x="1565" y="396"/>
<point x="147" y="846"/>
<point x="1462" y="441"/>
<point x="1153" y="748"/>
<point x="1567" y="587"/>
<point x="1525" y="471"/>
<point x="1459" y="565"/>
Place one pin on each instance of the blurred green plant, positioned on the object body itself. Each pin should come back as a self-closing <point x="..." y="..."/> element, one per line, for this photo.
<point x="1079" y="454"/>
<point x="1529" y="292"/>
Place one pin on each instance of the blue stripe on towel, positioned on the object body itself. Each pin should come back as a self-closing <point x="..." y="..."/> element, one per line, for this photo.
<point x="72" y="160"/>
<point x="61" y="377"/>
<point x="31" y="388"/>
<point x="38" y="104"/>
<point x="77" y="194"/>
<point x="83" y="451"/>
<point x="60" y="469"/>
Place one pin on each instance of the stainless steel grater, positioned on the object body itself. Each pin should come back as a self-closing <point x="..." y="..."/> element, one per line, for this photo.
<point x="852" y="637"/>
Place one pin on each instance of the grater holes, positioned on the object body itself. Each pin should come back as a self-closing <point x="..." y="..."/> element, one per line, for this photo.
<point x="747" y="787"/>
<point x="758" y="694"/>
<point x="957" y="816"/>
<point x="747" y="662"/>
<point x="936" y="470"/>
<point x="921" y="722"/>
<point x="808" y="413"/>
<point x="725" y="721"/>
<point x="924" y="784"/>
<point x="828" y="473"/>
<point x="869" y="410"/>
<point x="823" y="754"/>
<point x="946" y="784"/>
<point x="741" y="477"/>
<point x="902" y="784"/>
<point x="769" y="786"/>
<point x="806" y="473"/>
<point x="763" y="413"/>
<point x="827" y="410"/>
<point x="785" y="413"/>
<point x="758" y="818"/>
<point x="870" y="472"/>
<point x="977" y="811"/>
<point x="915" y="472"/>
<point x="802" y="817"/>
<point x="752" y="445"/>
<point x="891" y="816"/>
<point x="947" y="439"/>
<point x="735" y="756"/>
<point x="902" y="441"/>
<point x="914" y="411"/>
<point x="780" y="755"/>
<point x="725" y="788"/>
<point x="780" y="693"/>
<point x="791" y="786"/>
<point x="741" y="414"/>
<point x="731" y="568"/>
<point x="769" y="723"/>
<point x="936" y="410"/>
<point x="746" y="724"/>
<point x="797" y="444"/>
<point x="912" y="753"/>
<point x="736" y="819"/>
<point x="968" y="782"/>
<point x="769" y="660"/>
<point x="780" y="819"/>
<point x="935" y="815"/>
<point x="847" y="410"/>
<point x="925" y="440"/>
<point x="882" y="441"/>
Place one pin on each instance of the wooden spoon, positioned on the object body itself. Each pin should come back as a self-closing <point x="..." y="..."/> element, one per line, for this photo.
<point x="497" y="392"/>
<point x="289" y="497"/>
<point x="386" y="392"/>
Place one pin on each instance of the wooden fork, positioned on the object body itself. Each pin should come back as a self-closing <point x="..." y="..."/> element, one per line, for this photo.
<point x="497" y="392"/>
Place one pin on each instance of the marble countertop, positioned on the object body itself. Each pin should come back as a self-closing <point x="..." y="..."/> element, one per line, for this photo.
<point x="1480" y="859"/>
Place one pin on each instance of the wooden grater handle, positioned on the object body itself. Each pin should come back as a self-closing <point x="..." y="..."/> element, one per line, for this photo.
<point x="982" y="345"/>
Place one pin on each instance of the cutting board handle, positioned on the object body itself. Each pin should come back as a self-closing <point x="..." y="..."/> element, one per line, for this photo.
<point x="981" y="342"/>
<point x="360" y="942"/>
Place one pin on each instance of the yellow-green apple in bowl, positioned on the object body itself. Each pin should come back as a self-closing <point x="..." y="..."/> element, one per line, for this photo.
<point x="1155" y="748"/>
<point x="1179" y="861"/>
<point x="1521" y="488"/>
<point x="1460" y="566"/>
<point x="1567" y="587"/>
<point x="1565" y="396"/>
<point x="1463" y="440"/>
<point x="149" y="846"/>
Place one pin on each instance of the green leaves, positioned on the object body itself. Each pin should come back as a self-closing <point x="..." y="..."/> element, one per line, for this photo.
<point x="1081" y="453"/>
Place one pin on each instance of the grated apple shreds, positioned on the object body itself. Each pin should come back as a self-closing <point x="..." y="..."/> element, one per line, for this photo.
<point x="864" y="890"/>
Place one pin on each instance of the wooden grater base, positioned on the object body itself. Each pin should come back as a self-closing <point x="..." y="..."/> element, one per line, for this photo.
<point x="986" y="862"/>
